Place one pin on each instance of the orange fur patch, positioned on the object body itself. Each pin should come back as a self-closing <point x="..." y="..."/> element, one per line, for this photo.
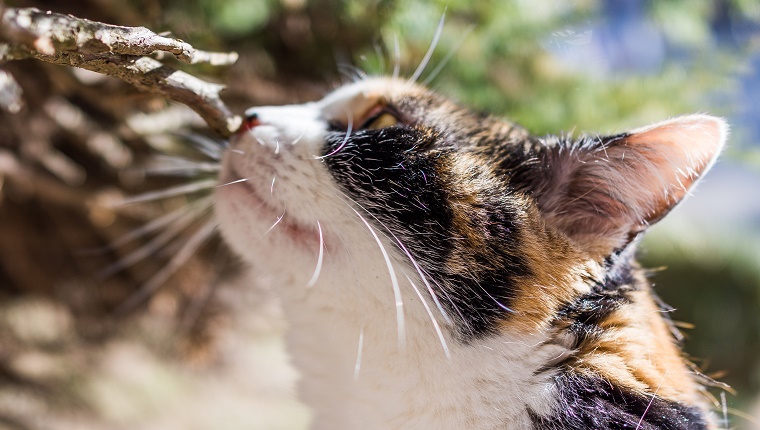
<point x="637" y="350"/>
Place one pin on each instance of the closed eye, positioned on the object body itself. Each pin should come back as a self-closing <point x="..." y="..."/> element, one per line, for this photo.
<point x="383" y="120"/>
<point x="380" y="117"/>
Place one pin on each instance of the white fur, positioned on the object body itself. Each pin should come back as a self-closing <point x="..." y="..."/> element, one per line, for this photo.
<point x="401" y="382"/>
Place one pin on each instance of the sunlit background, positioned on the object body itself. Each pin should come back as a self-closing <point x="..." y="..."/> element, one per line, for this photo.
<point x="205" y="351"/>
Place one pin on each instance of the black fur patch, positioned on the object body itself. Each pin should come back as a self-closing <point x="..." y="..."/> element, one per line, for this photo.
<point x="593" y="403"/>
<point x="399" y="175"/>
<point x="587" y="311"/>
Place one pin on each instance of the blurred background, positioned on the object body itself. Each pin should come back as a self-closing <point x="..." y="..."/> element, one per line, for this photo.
<point x="204" y="350"/>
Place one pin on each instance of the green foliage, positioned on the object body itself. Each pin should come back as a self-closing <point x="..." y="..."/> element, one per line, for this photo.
<point x="238" y="17"/>
<point x="717" y="285"/>
<point x="505" y="64"/>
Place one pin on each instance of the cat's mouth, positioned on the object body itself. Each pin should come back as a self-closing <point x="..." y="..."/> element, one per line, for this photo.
<point x="245" y="192"/>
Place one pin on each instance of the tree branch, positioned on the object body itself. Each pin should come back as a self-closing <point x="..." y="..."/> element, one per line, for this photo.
<point x="120" y="52"/>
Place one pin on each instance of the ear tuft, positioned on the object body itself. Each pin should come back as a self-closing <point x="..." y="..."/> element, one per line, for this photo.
<point x="605" y="191"/>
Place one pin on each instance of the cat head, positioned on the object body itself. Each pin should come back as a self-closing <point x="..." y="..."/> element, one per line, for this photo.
<point x="385" y="178"/>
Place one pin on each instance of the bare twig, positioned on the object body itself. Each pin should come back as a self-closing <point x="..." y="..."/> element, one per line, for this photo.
<point x="120" y="52"/>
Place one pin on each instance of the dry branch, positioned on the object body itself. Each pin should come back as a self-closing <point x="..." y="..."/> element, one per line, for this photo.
<point x="120" y="52"/>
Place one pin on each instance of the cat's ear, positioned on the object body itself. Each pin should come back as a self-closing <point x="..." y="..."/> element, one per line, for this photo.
<point x="603" y="192"/>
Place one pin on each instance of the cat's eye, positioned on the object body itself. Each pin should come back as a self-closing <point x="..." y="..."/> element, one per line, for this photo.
<point x="381" y="116"/>
<point x="383" y="120"/>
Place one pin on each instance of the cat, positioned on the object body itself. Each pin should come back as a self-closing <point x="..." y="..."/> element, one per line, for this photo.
<point x="442" y="269"/>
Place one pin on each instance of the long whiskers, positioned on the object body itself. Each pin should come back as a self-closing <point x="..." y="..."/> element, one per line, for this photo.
<point x="360" y="350"/>
<point x="345" y="199"/>
<point x="448" y="56"/>
<point x="654" y="395"/>
<point x="236" y="181"/>
<point x="211" y="148"/>
<point x="318" y="269"/>
<point x="193" y="187"/>
<point x="352" y="72"/>
<point x="396" y="57"/>
<point x="406" y="251"/>
<point x="180" y="223"/>
<point x="430" y="50"/>
<point x="154" y="225"/>
<point x="432" y="318"/>
<point x="166" y="165"/>
<point x="345" y="139"/>
<point x="422" y="275"/>
<point x="180" y="258"/>
<point x="380" y="56"/>
<point x="279" y="218"/>
<point x="394" y="282"/>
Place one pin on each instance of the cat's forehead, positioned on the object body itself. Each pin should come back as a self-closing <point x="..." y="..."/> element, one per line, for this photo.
<point x="359" y="97"/>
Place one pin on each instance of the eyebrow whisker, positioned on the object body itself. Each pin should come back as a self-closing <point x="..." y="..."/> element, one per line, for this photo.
<point x="345" y="139"/>
<point x="430" y="50"/>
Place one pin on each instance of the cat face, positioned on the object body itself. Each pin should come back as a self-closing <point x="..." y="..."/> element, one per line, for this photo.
<point x="500" y="227"/>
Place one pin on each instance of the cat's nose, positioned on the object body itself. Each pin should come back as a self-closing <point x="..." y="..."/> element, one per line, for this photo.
<point x="250" y="121"/>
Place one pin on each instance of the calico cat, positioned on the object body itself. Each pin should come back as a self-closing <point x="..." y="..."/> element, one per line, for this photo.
<point x="441" y="269"/>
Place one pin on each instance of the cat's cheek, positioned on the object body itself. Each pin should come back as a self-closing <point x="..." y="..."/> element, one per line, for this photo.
<point x="229" y="212"/>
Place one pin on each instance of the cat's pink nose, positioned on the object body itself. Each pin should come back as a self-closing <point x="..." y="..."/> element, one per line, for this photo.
<point x="251" y="120"/>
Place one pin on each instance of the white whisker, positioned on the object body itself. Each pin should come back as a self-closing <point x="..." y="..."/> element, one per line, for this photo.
<point x="430" y="50"/>
<point x="318" y="269"/>
<point x="448" y="56"/>
<point x="495" y="300"/>
<point x="168" y="192"/>
<point x="237" y="181"/>
<point x="176" y="166"/>
<point x="345" y="139"/>
<point x="237" y="151"/>
<point x="394" y="282"/>
<point x="152" y="246"/>
<point x="360" y="350"/>
<point x="162" y="221"/>
<point x="422" y="276"/>
<point x="180" y="258"/>
<point x="432" y="319"/>
<point x="409" y="255"/>
<point x="346" y="71"/>
<point x="380" y="57"/>
<point x="279" y="218"/>
<point x="641" y="420"/>
<point x="210" y="147"/>
<point x="396" y="57"/>
<point x="297" y="139"/>
<point x="271" y="187"/>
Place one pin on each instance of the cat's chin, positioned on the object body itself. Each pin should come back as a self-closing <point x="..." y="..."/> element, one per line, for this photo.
<point x="250" y="221"/>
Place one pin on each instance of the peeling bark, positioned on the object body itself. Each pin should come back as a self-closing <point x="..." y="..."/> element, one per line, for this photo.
<point x="119" y="52"/>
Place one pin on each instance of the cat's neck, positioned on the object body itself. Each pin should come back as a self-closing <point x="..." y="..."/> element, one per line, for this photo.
<point x="357" y="367"/>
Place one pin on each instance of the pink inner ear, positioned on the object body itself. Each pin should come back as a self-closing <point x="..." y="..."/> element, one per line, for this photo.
<point x="682" y="149"/>
<point x="694" y="140"/>
<point x="604" y="195"/>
